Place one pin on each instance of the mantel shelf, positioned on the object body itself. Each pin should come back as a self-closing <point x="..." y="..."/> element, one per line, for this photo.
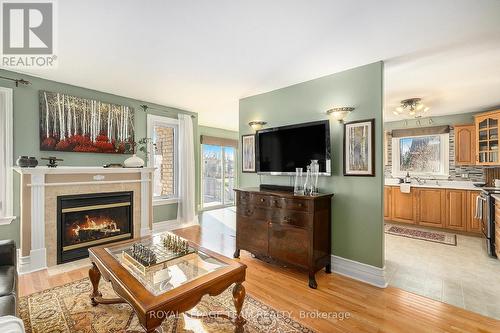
<point x="42" y="170"/>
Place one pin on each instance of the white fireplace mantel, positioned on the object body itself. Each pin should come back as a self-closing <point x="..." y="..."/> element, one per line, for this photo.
<point x="37" y="258"/>
<point x="66" y="170"/>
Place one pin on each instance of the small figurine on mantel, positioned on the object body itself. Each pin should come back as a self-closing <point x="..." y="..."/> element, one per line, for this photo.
<point x="52" y="161"/>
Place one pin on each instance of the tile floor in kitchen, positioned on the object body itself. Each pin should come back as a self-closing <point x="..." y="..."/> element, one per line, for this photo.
<point x="461" y="275"/>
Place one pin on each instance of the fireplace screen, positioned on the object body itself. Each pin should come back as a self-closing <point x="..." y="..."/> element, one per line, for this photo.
<point x="92" y="219"/>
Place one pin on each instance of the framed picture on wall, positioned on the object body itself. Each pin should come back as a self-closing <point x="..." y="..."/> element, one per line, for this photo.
<point x="248" y="152"/>
<point x="359" y="148"/>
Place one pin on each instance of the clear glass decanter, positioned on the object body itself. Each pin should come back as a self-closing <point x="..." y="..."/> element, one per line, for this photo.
<point x="308" y="182"/>
<point x="298" y="188"/>
<point x="314" y="176"/>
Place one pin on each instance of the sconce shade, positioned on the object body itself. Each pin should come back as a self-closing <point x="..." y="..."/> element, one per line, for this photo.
<point x="257" y="124"/>
<point x="340" y="113"/>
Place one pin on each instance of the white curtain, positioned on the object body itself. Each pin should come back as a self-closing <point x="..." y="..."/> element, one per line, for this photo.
<point x="186" y="209"/>
<point x="5" y="155"/>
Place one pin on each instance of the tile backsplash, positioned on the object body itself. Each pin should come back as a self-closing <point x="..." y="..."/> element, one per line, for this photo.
<point x="475" y="173"/>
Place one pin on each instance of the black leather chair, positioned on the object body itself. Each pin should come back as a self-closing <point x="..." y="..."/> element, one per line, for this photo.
<point x="8" y="278"/>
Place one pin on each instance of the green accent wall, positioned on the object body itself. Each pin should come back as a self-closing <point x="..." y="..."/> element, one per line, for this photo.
<point x="357" y="232"/>
<point x="26" y="135"/>
<point x="218" y="132"/>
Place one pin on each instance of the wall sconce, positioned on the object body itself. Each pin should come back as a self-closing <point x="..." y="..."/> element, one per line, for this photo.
<point x="257" y="124"/>
<point x="340" y="113"/>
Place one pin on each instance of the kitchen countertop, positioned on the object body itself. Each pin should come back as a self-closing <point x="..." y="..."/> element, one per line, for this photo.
<point x="444" y="184"/>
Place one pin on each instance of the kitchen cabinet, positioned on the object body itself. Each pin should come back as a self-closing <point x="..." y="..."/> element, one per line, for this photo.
<point x="465" y="145"/>
<point x="456" y="209"/>
<point x="403" y="206"/>
<point x="486" y="134"/>
<point x="431" y="207"/>
<point x="387" y="202"/>
<point x="473" y="224"/>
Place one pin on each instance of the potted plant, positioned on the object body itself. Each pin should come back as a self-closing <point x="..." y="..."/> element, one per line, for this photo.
<point x="135" y="161"/>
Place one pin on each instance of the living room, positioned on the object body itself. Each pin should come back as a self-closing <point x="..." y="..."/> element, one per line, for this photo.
<point x="215" y="167"/>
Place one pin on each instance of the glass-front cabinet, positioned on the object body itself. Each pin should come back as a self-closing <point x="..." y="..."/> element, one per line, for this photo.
<point x="487" y="138"/>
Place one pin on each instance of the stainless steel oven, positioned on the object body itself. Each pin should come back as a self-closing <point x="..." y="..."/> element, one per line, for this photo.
<point x="485" y="212"/>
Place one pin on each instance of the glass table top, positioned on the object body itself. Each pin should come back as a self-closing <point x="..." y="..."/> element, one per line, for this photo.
<point x="164" y="276"/>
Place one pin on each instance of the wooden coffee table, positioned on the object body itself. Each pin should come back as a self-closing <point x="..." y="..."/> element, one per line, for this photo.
<point x="170" y="290"/>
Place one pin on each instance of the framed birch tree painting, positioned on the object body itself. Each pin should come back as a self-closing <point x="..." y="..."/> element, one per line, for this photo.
<point x="359" y="148"/>
<point x="248" y="152"/>
<point x="76" y="124"/>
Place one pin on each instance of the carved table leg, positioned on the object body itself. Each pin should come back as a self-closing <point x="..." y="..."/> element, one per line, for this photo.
<point x="96" y="296"/>
<point x="236" y="253"/>
<point x="328" y="268"/>
<point x="312" y="281"/>
<point x="94" y="276"/>
<point x="238" y="298"/>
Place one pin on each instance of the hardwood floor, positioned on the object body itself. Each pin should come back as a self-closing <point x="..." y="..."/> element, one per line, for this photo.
<point x="371" y="309"/>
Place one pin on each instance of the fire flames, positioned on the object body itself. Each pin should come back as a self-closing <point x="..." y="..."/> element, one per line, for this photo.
<point x="104" y="226"/>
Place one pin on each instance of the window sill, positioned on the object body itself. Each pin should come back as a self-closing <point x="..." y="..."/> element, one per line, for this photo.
<point x="7" y="220"/>
<point x="161" y="202"/>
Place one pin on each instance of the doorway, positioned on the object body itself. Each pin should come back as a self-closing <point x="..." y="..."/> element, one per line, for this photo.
<point x="218" y="176"/>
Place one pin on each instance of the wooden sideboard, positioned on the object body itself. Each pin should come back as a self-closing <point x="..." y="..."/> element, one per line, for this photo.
<point x="295" y="230"/>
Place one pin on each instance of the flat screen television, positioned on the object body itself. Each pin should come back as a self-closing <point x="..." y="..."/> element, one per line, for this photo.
<point x="280" y="150"/>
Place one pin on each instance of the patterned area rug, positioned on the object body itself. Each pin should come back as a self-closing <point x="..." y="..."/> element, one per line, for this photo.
<point x="67" y="309"/>
<point x="422" y="234"/>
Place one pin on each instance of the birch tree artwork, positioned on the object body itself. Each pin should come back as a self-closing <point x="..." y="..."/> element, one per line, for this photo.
<point x="69" y="123"/>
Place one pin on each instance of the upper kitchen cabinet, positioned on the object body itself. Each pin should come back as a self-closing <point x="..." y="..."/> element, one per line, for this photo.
<point x="465" y="145"/>
<point x="487" y="138"/>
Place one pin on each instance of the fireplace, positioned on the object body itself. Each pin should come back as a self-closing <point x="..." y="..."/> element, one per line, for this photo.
<point x="87" y="220"/>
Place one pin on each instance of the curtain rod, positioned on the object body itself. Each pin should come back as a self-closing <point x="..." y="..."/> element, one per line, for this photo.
<point x="145" y="108"/>
<point x="17" y="81"/>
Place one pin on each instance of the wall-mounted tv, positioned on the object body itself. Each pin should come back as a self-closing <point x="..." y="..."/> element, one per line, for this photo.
<point x="280" y="150"/>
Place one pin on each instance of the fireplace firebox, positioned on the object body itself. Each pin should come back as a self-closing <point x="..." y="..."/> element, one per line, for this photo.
<point x="87" y="220"/>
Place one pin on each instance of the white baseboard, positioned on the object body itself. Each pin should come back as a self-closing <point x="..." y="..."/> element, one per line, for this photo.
<point x="36" y="261"/>
<point x="172" y="225"/>
<point x="165" y="226"/>
<point x="359" y="271"/>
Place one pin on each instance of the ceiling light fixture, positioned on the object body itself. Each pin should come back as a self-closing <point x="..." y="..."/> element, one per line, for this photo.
<point x="340" y="113"/>
<point x="257" y="125"/>
<point x="412" y="107"/>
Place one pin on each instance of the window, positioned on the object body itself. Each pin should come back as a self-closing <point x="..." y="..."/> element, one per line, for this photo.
<point x="425" y="155"/>
<point x="6" y="140"/>
<point x="163" y="156"/>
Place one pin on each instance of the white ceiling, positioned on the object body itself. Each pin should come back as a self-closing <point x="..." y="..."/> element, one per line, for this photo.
<point x="204" y="56"/>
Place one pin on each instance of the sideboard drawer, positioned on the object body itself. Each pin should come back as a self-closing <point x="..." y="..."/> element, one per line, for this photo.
<point x="261" y="200"/>
<point x="243" y="198"/>
<point x="254" y="212"/>
<point x="292" y="218"/>
<point x="297" y="204"/>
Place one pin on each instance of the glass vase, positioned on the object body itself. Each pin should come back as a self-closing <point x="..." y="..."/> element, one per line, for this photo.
<point x="314" y="176"/>
<point x="298" y="188"/>
<point x="308" y="182"/>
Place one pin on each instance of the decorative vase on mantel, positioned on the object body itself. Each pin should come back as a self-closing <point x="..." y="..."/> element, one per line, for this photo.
<point x="23" y="162"/>
<point x="133" y="162"/>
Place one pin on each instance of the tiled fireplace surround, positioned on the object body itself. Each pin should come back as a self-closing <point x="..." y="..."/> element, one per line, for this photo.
<point x="40" y="188"/>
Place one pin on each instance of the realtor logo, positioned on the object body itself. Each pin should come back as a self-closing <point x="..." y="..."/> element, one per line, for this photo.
<point x="28" y="29"/>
